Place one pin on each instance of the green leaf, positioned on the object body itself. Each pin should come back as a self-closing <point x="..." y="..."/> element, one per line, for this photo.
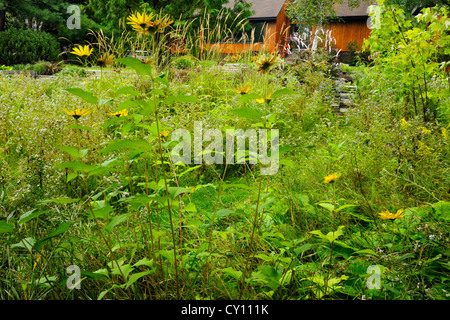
<point x="136" y="276"/>
<point x="71" y="176"/>
<point x="27" y="216"/>
<point x="344" y="207"/>
<point x="127" y="90"/>
<point x="85" y="95"/>
<point x="330" y="236"/>
<point x="141" y="69"/>
<point x="248" y="113"/>
<point x="63" y="227"/>
<point x="163" y="79"/>
<point x="248" y="97"/>
<point x="230" y="271"/>
<point x="105" y="101"/>
<point x="116" y="221"/>
<point x="59" y="200"/>
<point x="72" y="151"/>
<point x="282" y="92"/>
<point x="6" y="227"/>
<point x="327" y="206"/>
<point x="305" y="247"/>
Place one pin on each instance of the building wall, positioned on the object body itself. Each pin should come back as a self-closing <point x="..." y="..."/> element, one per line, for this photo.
<point x="345" y="32"/>
<point x="276" y="36"/>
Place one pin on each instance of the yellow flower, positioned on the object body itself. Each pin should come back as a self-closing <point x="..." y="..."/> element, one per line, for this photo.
<point x="77" y="113"/>
<point x="141" y="22"/>
<point x="244" y="89"/>
<point x="162" y="23"/>
<point x="268" y="98"/>
<point x="424" y="130"/>
<point x="265" y="63"/>
<point x="105" y="60"/>
<point x="391" y="216"/>
<point x="189" y="192"/>
<point x="236" y="58"/>
<point x="404" y="124"/>
<point x="423" y="149"/>
<point x="148" y="61"/>
<point x="82" y="51"/>
<point x="164" y="134"/>
<point x="121" y="113"/>
<point x="331" y="178"/>
<point x="444" y="133"/>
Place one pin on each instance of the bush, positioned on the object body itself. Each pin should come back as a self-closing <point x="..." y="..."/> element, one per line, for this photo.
<point x="27" y="46"/>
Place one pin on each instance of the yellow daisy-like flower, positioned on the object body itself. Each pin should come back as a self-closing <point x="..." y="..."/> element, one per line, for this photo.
<point x="164" y="134"/>
<point x="265" y="63"/>
<point x="244" y="89"/>
<point x="160" y="24"/>
<point x="77" y="113"/>
<point x="105" y="60"/>
<point x="141" y="22"/>
<point x="331" y="178"/>
<point x="82" y="51"/>
<point x="391" y="216"/>
<point x="121" y="113"/>
<point x="148" y="61"/>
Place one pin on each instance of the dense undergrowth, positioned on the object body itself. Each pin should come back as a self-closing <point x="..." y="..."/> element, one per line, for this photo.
<point x="99" y="193"/>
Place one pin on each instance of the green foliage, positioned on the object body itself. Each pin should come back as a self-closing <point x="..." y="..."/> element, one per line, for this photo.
<point x="414" y="53"/>
<point x="27" y="46"/>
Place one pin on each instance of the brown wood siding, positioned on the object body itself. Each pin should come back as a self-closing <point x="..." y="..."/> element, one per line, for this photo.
<point x="275" y="37"/>
<point x="345" y="32"/>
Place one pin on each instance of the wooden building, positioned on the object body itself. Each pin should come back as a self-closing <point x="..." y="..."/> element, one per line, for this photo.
<point x="270" y="29"/>
<point x="351" y="24"/>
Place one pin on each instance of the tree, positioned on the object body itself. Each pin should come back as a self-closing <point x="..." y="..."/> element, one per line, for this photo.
<point x="409" y="5"/>
<point x="48" y="15"/>
<point x="315" y="12"/>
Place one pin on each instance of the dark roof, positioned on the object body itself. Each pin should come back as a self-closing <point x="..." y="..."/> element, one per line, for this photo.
<point x="263" y="9"/>
<point x="344" y="11"/>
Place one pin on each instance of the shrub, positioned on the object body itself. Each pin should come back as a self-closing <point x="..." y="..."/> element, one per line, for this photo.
<point x="27" y="46"/>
